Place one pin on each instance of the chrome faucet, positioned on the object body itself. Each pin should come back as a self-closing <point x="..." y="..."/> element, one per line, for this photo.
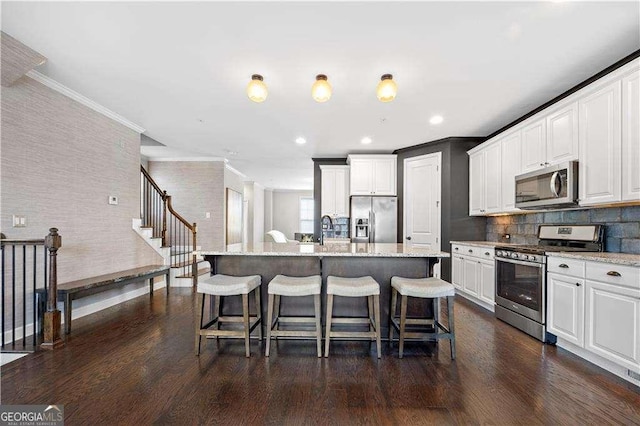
<point x="324" y="226"/>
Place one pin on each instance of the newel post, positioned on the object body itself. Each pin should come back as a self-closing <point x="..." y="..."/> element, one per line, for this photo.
<point x="194" y="264"/>
<point x="52" y="319"/>
<point x="164" y="219"/>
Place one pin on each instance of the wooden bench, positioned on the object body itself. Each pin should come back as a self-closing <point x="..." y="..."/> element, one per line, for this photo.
<point x="67" y="292"/>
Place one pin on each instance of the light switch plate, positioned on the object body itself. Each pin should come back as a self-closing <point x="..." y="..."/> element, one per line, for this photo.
<point x="19" y="221"/>
<point x="207" y="215"/>
<point x="113" y="200"/>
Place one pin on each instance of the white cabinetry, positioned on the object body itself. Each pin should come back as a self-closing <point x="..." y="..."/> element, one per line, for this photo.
<point x="473" y="273"/>
<point x="600" y="144"/>
<point x="631" y="137"/>
<point x="594" y="309"/>
<point x="373" y="174"/>
<point x="334" y="195"/>
<point x="562" y="135"/>
<point x="534" y="140"/>
<point x="511" y="167"/>
<point x="485" y="194"/>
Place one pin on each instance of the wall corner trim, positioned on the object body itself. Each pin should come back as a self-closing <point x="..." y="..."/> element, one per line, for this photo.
<point x="236" y="171"/>
<point x="60" y="88"/>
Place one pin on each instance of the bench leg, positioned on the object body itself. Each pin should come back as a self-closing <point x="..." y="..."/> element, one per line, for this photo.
<point x="67" y="314"/>
<point x="168" y="281"/>
<point x="151" y="287"/>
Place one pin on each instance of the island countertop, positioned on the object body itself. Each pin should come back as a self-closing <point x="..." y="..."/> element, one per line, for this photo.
<point x="327" y="250"/>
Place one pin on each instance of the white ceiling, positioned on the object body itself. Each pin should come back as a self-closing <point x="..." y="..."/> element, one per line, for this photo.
<point x="180" y="69"/>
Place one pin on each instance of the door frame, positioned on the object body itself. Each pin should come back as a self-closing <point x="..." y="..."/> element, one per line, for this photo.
<point x="437" y="155"/>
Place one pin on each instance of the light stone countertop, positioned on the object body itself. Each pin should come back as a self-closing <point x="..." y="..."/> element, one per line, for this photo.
<point x="615" y="258"/>
<point x="491" y="244"/>
<point x="329" y="250"/>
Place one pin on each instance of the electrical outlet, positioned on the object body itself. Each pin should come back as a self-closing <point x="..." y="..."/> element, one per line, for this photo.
<point x="113" y="200"/>
<point x="19" y="221"/>
<point x="207" y="215"/>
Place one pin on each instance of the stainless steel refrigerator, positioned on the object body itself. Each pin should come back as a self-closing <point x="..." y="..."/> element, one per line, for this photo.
<point x="374" y="219"/>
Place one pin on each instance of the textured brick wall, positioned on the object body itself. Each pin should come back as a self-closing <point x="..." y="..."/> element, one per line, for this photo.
<point x="622" y="232"/>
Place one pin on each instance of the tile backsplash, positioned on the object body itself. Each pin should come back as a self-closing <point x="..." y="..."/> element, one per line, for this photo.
<point x="622" y="231"/>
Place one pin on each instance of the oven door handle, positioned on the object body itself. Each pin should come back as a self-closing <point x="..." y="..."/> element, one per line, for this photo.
<point x="519" y="262"/>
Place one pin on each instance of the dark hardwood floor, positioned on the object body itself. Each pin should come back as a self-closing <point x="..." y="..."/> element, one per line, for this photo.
<point x="134" y="364"/>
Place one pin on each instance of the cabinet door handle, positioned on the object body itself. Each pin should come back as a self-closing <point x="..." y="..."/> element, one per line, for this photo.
<point x="486" y="253"/>
<point x="563" y="265"/>
<point x="470" y="251"/>
<point x="578" y="284"/>
<point x="614" y="273"/>
<point x="456" y="248"/>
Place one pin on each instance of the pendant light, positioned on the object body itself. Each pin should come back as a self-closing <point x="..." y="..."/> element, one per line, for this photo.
<point x="387" y="88"/>
<point x="321" y="89"/>
<point x="257" y="90"/>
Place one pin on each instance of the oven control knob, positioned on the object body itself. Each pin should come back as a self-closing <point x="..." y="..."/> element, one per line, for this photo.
<point x="533" y="258"/>
<point x="525" y="257"/>
<point x="514" y="255"/>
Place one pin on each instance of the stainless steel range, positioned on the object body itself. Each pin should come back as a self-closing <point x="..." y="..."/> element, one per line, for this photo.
<point x="521" y="274"/>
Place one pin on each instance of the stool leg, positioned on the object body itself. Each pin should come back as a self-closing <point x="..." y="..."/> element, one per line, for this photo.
<point x="245" y="317"/>
<point x="259" y="313"/>
<point x="269" y="322"/>
<point x="199" y="310"/>
<point x="277" y="314"/>
<point x="316" y="303"/>
<point x="376" y="307"/>
<point x="370" y="312"/>
<point x="451" y="326"/>
<point x="436" y="310"/>
<point x="217" y="308"/>
<point x="392" y="313"/>
<point x="327" y="333"/>
<point x="403" y="321"/>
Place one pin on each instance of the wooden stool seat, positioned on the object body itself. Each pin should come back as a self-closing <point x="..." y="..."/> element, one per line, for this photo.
<point x="354" y="287"/>
<point x="282" y="285"/>
<point x="218" y="286"/>
<point x="430" y="288"/>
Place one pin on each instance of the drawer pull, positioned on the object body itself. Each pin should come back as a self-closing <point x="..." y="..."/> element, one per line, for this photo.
<point x="578" y="284"/>
<point x="455" y="248"/>
<point x="486" y="253"/>
<point x="470" y="251"/>
<point x="614" y="273"/>
<point x="563" y="265"/>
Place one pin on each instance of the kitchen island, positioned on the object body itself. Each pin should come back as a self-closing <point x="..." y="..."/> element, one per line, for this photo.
<point x="380" y="261"/>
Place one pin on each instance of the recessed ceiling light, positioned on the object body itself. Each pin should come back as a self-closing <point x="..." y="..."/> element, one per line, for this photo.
<point x="301" y="141"/>
<point x="436" y="119"/>
<point x="366" y="140"/>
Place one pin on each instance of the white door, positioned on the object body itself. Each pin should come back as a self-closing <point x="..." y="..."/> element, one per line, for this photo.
<point x="493" y="177"/>
<point x="422" y="202"/>
<point x="562" y="134"/>
<point x="476" y="183"/>
<point x="600" y="142"/>
<point x="510" y="169"/>
<point x="631" y="137"/>
<point x="534" y="146"/>
<point x="565" y="308"/>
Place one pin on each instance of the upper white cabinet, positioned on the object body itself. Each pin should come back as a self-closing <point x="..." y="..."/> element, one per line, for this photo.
<point x="599" y="125"/>
<point x="534" y="141"/>
<point x="334" y="195"/>
<point x="373" y="174"/>
<point x="600" y="143"/>
<point x="631" y="137"/>
<point x="485" y="194"/>
<point x="511" y="167"/>
<point x="562" y="135"/>
<point x="551" y="139"/>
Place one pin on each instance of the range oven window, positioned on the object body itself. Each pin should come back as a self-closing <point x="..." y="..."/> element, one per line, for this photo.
<point x="520" y="283"/>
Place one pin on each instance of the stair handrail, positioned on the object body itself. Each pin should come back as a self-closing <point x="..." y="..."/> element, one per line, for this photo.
<point x="150" y="179"/>
<point x="194" y="230"/>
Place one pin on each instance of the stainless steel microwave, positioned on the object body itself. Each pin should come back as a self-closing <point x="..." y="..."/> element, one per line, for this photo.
<point x="552" y="187"/>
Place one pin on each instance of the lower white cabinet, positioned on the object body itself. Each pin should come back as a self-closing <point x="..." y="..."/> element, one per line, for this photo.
<point x="473" y="274"/>
<point x="595" y="306"/>
<point x="613" y="323"/>
<point x="565" y="307"/>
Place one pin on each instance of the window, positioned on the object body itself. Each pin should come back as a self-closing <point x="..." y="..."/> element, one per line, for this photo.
<point x="306" y="215"/>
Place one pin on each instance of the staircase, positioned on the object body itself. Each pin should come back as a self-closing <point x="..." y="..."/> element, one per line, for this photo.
<point x="168" y="233"/>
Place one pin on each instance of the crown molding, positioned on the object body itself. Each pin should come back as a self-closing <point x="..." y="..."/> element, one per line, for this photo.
<point x="187" y="159"/>
<point x="60" y="88"/>
<point x="231" y="169"/>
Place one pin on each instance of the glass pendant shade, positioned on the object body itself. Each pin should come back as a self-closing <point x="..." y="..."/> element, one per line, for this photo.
<point x="321" y="89"/>
<point x="257" y="90"/>
<point x="387" y="88"/>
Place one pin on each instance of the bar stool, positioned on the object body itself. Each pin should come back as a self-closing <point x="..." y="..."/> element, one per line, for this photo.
<point x="219" y="286"/>
<point x="431" y="288"/>
<point x="282" y="285"/>
<point x="354" y="287"/>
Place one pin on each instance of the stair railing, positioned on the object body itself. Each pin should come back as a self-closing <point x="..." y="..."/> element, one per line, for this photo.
<point x="29" y="281"/>
<point x="157" y="212"/>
